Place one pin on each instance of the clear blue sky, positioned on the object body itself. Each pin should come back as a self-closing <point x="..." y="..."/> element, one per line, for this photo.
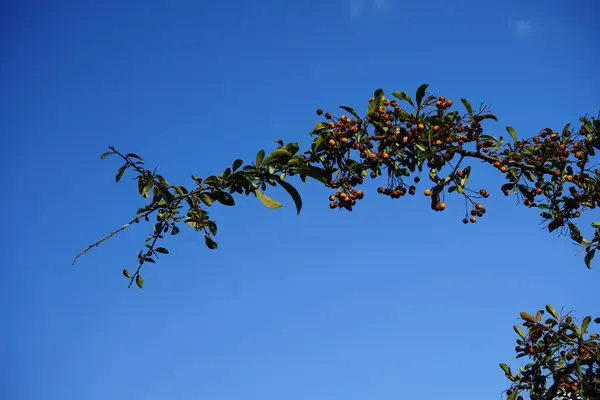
<point x="392" y="301"/>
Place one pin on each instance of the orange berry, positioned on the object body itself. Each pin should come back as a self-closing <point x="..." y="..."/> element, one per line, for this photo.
<point x="420" y="127"/>
<point x="427" y="192"/>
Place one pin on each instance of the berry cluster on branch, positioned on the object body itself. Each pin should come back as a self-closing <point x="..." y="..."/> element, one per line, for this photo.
<point x="397" y="140"/>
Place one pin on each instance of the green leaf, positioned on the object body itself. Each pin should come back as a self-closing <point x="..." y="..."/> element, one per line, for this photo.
<point x="104" y="155"/>
<point x="292" y="192"/>
<point x="507" y="371"/>
<point x="146" y="189"/>
<point x="296" y="161"/>
<point x="433" y="175"/>
<point x="126" y="273"/>
<point x="596" y="225"/>
<point x="133" y="155"/>
<point x="314" y="172"/>
<point x="585" y="324"/>
<point x="556" y="223"/>
<point x="488" y="116"/>
<point x="279" y="156"/>
<point x="589" y="257"/>
<point x="206" y="199"/>
<point x="161" y="250"/>
<point x="351" y="111"/>
<point x="468" y="107"/>
<point x="120" y="173"/>
<point x="139" y="281"/>
<point x="512" y="132"/>
<point x="236" y="164"/>
<point x="519" y="331"/>
<point x="552" y="311"/>
<point x="165" y="194"/>
<point x="421" y="93"/>
<point x="260" y="156"/>
<point x="512" y="395"/>
<point x="211" y="244"/>
<point x="403" y="96"/>
<point x="527" y="317"/>
<point x="267" y="201"/>
<point x="223" y="197"/>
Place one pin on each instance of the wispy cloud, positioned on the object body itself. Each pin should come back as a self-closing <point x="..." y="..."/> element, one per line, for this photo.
<point x="520" y="27"/>
<point x="357" y="6"/>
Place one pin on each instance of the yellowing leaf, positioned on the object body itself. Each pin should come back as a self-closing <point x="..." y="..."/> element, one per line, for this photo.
<point x="527" y="317"/>
<point x="267" y="201"/>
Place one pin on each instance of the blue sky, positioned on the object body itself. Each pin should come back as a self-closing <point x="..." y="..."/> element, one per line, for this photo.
<point x="392" y="301"/>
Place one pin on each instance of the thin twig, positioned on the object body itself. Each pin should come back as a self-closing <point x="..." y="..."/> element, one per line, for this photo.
<point x="95" y="244"/>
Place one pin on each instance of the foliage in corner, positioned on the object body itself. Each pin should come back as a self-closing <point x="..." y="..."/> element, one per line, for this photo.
<point x="564" y="358"/>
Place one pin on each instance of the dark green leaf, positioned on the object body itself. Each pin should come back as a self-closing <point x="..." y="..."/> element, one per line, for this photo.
<point x="421" y="93"/>
<point x="237" y="163"/>
<point x="315" y="173"/>
<point x="351" y="111"/>
<point x="403" y="96"/>
<point x="488" y="116"/>
<point x="211" y="244"/>
<point x="133" y="155"/>
<point x="211" y="181"/>
<point x="279" y="156"/>
<point x="165" y="194"/>
<point x="223" y="197"/>
<point x="512" y="132"/>
<point x="126" y="273"/>
<point x="292" y="192"/>
<point x="120" y="173"/>
<point x="596" y="225"/>
<point x="139" y="281"/>
<point x="104" y="155"/>
<point x="468" y="107"/>
<point x="556" y="223"/>
<point x="161" y="250"/>
<point x="589" y="257"/>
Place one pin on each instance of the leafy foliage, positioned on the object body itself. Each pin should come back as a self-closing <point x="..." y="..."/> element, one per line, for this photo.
<point x="552" y="171"/>
<point x="564" y="358"/>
